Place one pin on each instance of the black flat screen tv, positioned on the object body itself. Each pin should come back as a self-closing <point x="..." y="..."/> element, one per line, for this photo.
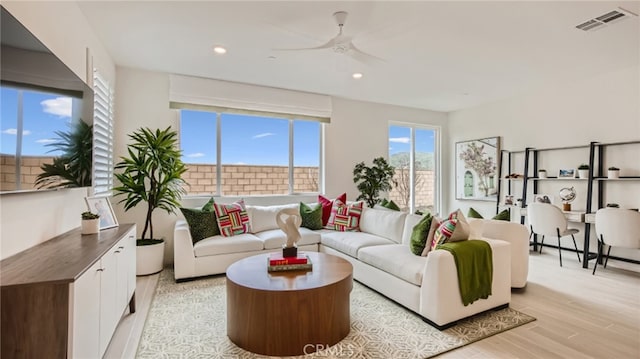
<point x="40" y="99"/>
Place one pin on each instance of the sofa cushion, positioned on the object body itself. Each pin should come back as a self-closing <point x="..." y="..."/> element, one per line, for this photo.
<point x="202" y="222"/>
<point x="383" y="223"/>
<point x="395" y="259"/>
<point x="345" y="218"/>
<point x="263" y="218"/>
<point x="224" y="245"/>
<point x="350" y="242"/>
<point x="275" y="238"/>
<point x="327" y="204"/>
<point x="311" y="216"/>
<point x="232" y="218"/>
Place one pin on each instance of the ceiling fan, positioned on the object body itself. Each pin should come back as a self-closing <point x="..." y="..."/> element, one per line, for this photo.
<point x="342" y="44"/>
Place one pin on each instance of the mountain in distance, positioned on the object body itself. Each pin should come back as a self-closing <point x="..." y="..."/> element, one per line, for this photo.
<point x="424" y="160"/>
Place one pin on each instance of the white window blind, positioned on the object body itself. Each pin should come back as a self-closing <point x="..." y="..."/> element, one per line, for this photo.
<point x="102" y="136"/>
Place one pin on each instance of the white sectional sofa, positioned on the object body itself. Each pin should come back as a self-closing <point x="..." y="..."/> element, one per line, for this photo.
<point x="379" y="253"/>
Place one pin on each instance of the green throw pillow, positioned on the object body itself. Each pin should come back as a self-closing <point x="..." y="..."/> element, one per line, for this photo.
<point x="384" y="202"/>
<point x="419" y="235"/>
<point x="503" y="216"/>
<point x="311" y="217"/>
<point x="473" y="213"/>
<point x="392" y="205"/>
<point x="202" y="222"/>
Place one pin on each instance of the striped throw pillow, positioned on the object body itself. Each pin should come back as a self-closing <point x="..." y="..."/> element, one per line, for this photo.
<point x="345" y="218"/>
<point x="454" y="229"/>
<point x="232" y="218"/>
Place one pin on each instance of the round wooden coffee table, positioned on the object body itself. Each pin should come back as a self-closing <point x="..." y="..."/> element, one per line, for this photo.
<point x="288" y="313"/>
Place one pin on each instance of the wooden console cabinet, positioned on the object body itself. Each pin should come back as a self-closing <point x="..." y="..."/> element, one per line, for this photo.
<point x="64" y="298"/>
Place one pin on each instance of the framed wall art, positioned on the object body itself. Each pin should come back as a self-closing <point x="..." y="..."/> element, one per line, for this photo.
<point x="477" y="164"/>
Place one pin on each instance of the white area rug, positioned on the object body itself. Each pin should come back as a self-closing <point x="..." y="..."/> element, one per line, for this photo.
<point x="188" y="320"/>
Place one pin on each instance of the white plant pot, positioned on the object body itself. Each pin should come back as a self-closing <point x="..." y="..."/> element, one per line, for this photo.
<point x="613" y="174"/>
<point x="542" y="174"/>
<point x="583" y="174"/>
<point x="149" y="259"/>
<point x="90" y="226"/>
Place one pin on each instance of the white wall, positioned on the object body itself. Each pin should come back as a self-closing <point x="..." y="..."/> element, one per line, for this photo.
<point x="358" y="132"/>
<point x="604" y="108"/>
<point x="29" y="219"/>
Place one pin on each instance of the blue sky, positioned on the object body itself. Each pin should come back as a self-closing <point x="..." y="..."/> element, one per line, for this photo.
<point x="400" y="140"/>
<point x="249" y="140"/>
<point x="43" y="115"/>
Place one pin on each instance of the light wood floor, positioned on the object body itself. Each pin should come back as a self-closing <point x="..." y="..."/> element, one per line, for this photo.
<point x="579" y="315"/>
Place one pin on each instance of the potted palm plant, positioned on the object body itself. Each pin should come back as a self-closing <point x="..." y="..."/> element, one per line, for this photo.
<point x="152" y="173"/>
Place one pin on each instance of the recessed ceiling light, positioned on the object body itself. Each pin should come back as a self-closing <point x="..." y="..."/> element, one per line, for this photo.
<point x="219" y="50"/>
<point x="357" y="75"/>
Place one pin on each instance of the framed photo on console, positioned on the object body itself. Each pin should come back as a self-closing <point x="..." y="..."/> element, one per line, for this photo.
<point x="102" y="206"/>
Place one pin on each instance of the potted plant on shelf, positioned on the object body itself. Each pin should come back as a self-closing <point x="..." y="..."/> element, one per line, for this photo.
<point x="152" y="173"/>
<point x="542" y="173"/>
<point x="583" y="171"/>
<point x="90" y="223"/>
<point x="613" y="172"/>
<point x="373" y="180"/>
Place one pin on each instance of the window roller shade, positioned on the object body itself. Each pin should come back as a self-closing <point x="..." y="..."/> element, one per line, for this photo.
<point x="221" y="96"/>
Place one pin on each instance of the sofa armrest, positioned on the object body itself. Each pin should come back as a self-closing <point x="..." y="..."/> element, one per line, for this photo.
<point x="183" y="256"/>
<point x="440" y="299"/>
<point x="518" y="236"/>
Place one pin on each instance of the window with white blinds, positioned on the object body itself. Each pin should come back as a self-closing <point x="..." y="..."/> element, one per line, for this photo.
<point x="102" y="136"/>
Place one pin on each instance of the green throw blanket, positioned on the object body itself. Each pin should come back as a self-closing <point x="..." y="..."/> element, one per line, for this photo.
<point x="475" y="268"/>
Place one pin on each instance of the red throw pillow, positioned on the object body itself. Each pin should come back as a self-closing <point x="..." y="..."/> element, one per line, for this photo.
<point x="327" y="204"/>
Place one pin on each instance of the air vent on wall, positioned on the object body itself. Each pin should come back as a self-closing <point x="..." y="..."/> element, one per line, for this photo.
<point x="605" y="19"/>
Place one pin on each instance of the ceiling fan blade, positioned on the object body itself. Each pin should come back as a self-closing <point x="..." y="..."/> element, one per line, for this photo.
<point x="362" y="56"/>
<point x="329" y="44"/>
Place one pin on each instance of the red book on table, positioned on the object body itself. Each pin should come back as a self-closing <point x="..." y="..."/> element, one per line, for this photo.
<point x="278" y="259"/>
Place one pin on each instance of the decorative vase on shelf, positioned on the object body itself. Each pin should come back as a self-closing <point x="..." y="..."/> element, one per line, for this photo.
<point x="583" y="171"/>
<point x="613" y="172"/>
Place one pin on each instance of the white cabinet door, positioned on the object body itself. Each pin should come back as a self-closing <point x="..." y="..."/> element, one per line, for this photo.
<point x="126" y="268"/>
<point x="109" y="314"/>
<point x="86" y="314"/>
<point x="122" y="282"/>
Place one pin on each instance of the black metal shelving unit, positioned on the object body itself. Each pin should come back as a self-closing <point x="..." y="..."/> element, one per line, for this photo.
<point x="596" y="182"/>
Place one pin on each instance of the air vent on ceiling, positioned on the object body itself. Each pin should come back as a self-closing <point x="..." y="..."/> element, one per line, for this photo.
<point x="605" y="19"/>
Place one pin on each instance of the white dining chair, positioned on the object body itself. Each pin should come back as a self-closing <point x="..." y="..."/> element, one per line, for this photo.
<point x="548" y="220"/>
<point x="616" y="227"/>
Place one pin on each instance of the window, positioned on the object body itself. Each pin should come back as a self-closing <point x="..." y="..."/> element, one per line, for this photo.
<point x="412" y="151"/>
<point x="247" y="154"/>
